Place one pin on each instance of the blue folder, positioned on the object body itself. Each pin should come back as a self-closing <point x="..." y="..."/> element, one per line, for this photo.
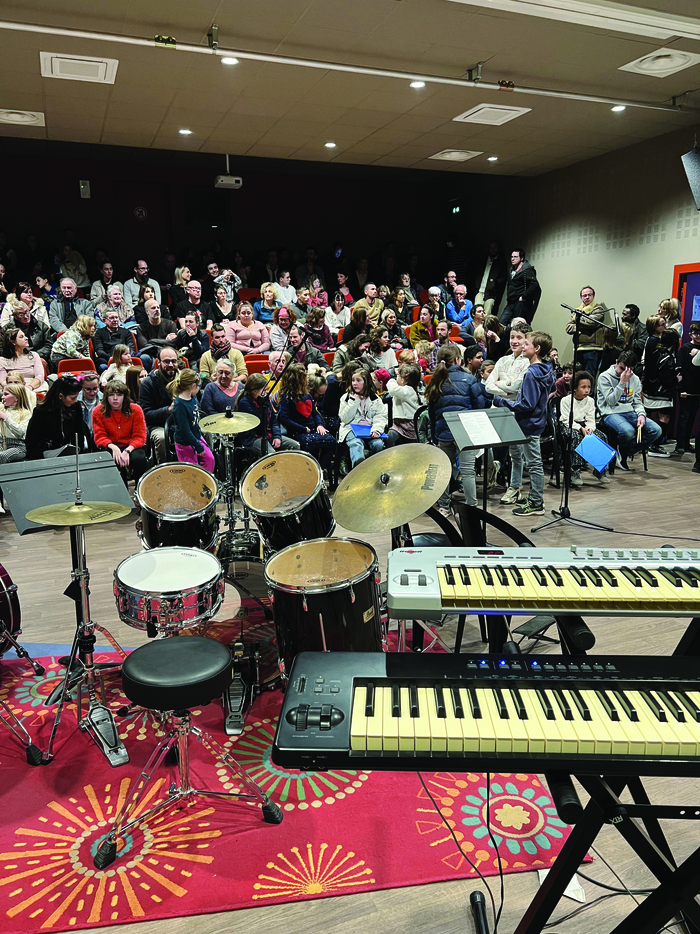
<point x="596" y="452"/>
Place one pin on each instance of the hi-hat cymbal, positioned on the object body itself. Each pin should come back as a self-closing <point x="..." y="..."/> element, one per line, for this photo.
<point x="391" y="488"/>
<point x="223" y="425"/>
<point x="71" y="514"/>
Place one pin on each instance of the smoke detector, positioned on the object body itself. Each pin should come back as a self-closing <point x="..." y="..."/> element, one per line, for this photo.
<point x="22" y="117"/>
<point x="455" y="155"/>
<point x="491" y="114"/>
<point x="662" y="63"/>
<point x="78" y="67"/>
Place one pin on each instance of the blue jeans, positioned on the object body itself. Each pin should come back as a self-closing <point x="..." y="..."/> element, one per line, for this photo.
<point x="356" y="446"/>
<point x="532" y="456"/>
<point x="591" y="361"/>
<point x="467" y="461"/>
<point x="624" y="424"/>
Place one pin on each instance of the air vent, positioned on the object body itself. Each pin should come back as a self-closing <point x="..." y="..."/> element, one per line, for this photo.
<point x="491" y="114"/>
<point x="662" y="63"/>
<point x="22" y="117"/>
<point x="78" y="67"/>
<point x="455" y="155"/>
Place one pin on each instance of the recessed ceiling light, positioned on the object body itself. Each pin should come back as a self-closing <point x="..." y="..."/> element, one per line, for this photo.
<point x="618" y="108"/>
<point x="78" y="67"/>
<point x="662" y="63"/>
<point x="455" y="155"/>
<point x="330" y="145"/>
<point x="229" y="60"/>
<point x="491" y="114"/>
<point x="185" y="132"/>
<point x="417" y="84"/>
<point x="492" y="159"/>
<point x="22" y="117"/>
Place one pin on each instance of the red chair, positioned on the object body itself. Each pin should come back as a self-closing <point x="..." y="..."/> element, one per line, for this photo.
<point x="46" y="368"/>
<point x="454" y="331"/>
<point x="256" y="356"/>
<point x="135" y="361"/>
<point x="423" y="296"/>
<point x="249" y="295"/>
<point x="415" y="312"/>
<point x="256" y="366"/>
<point x="407" y="329"/>
<point x="328" y="355"/>
<point x="40" y="396"/>
<point x="427" y="378"/>
<point x="78" y="365"/>
<point x="341" y="331"/>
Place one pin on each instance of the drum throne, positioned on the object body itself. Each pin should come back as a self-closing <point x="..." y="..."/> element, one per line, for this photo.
<point x="171" y="676"/>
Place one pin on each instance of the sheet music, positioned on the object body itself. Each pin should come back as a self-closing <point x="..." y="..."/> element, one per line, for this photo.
<point x="480" y="428"/>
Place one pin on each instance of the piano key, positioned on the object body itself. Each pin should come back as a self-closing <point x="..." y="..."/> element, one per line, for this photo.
<point x="395" y="700"/>
<point x="584" y="733"/>
<point x="474" y="703"/>
<point x="652" y="703"/>
<point x="440" y="701"/>
<point x="579" y="577"/>
<point x="545" y="703"/>
<point x="358" y="722"/>
<point x="438" y="731"/>
<point x="540" y="577"/>
<point x="407" y="741"/>
<point x="671" y="576"/>
<point x="688" y="578"/>
<point x="633" y="730"/>
<point x="566" y="729"/>
<point x="375" y="720"/>
<point x="517" y="575"/>
<point x="453" y="725"/>
<point x="607" y="702"/>
<point x="580" y="703"/>
<point x="500" y="703"/>
<point x="487" y="576"/>
<point x="563" y="702"/>
<point x="467" y="723"/>
<point x="655" y="740"/>
<point x="421" y="723"/>
<point x="535" y="733"/>
<point x="518" y="703"/>
<point x="464" y="575"/>
<point x="685" y="698"/>
<point x="606" y="729"/>
<point x="457" y="702"/>
<point x="677" y="711"/>
<point x="686" y="733"/>
<point x="518" y="727"/>
<point x="501" y="726"/>
<point x="544" y="713"/>
<point x="555" y="575"/>
<point x="627" y="705"/>
<point x="449" y="574"/>
<point x="501" y="575"/>
<point x="369" y="703"/>
<point x="593" y="574"/>
<point x="647" y="576"/>
<point x="631" y="576"/>
<point x="447" y="588"/>
<point x="608" y="576"/>
<point x="413" y="700"/>
<point x="487" y="728"/>
<point x="390" y="723"/>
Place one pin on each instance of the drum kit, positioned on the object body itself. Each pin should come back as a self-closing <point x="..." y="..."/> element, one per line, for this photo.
<point x="325" y="592"/>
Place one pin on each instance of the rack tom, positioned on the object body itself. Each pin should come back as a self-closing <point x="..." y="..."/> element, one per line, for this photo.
<point x="178" y="507"/>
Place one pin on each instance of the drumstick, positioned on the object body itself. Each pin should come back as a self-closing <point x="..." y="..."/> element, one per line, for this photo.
<point x="639" y="433"/>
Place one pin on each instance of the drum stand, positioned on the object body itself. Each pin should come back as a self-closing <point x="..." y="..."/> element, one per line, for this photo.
<point x="81" y="670"/>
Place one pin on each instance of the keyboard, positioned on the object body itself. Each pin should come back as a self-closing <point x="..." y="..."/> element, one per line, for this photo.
<point x="426" y="583"/>
<point x="605" y="715"/>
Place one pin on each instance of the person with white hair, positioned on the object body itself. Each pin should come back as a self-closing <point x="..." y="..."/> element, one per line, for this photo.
<point x="66" y="308"/>
<point x="435" y="304"/>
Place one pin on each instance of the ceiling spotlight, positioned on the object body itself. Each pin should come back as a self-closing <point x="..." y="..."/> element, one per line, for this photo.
<point x="417" y="84"/>
<point x="229" y="60"/>
<point x="492" y="159"/>
<point x="618" y="108"/>
<point x="184" y="132"/>
<point x="330" y="145"/>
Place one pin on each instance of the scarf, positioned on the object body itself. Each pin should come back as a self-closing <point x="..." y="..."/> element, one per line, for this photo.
<point x="219" y="352"/>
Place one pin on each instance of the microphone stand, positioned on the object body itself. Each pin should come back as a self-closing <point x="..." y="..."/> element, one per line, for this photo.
<point x="563" y="514"/>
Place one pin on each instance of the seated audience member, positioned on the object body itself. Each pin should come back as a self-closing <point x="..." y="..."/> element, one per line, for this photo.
<point x="221" y="392"/>
<point x="47" y="290"/>
<point x="71" y="263"/>
<point x="688" y="389"/>
<point x="563" y="384"/>
<point x="15" y="413"/>
<point x="286" y="293"/>
<point x="342" y="287"/>
<point x="89" y="396"/>
<point x="193" y="340"/>
<point x="132" y="286"/>
<point x="480" y="337"/>
<point x="177" y="290"/>
<point x="362" y="406"/>
<point x="659" y="378"/>
<point x="300" y="417"/>
<point x="156" y="401"/>
<point x="146" y="293"/>
<point x="224" y="307"/>
<point x="115" y="302"/>
<point x="305" y="354"/>
<point x="318" y="332"/>
<point x="283" y="319"/>
<point x="407" y="355"/>
<point x="425" y="328"/>
<point x="619" y="398"/>
<point x="407" y="396"/>
<point x="17" y="355"/>
<point x="399" y="304"/>
<point x="447" y="289"/>
<point x="57" y="420"/>
<point x="359" y="324"/>
<point x="383" y="292"/>
<point x="670" y="309"/>
<point x="371" y="304"/>
<point x="424" y="353"/>
<point x="397" y="336"/>
<point x="458" y="309"/>
<point x="381" y="353"/>
<point x="190" y="446"/>
<point x="22" y="299"/>
<point x="108" y="337"/>
<point x="15" y="378"/>
<point x="75" y="342"/>
<point x="254" y="402"/>
<point x="100" y="288"/>
<point x="157" y="333"/>
<point x="194" y="305"/>
<point x="221" y="349"/>
<point x="357" y="348"/>
<point x="277" y="361"/>
<point x="36" y="329"/>
<point x="246" y="334"/>
<point x="264" y="309"/>
<point x="337" y="315"/>
<point x="67" y="307"/>
<point x="318" y="384"/>
<point x="476" y="320"/>
<point x="135" y="375"/>
<point x="119" y="427"/>
<point x="301" y="305"/>
<point x="443" y="338"/>
<point x="481" y="399"/>
<point x="583" y="424"/>
<point x="229" y="281"/>
<point x="318" y="297"/>
<point x="436" y="305"/>
<point x="121" y="361"/>
<point x="309" y="268"/>
<point x="405" y="284"/>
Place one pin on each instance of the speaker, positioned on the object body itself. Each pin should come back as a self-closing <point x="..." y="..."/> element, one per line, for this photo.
<point x="691" y="164"/>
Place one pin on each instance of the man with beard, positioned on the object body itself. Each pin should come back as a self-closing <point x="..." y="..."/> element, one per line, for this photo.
<point x="133" y="286"/>
<point x="156" y="401"/>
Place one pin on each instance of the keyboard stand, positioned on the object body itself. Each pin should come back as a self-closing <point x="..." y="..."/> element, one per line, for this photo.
<point x="678" y="885"/>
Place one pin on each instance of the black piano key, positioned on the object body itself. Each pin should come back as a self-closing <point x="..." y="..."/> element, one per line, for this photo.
<point x="413" y="700"/>
<point x="500" y="704"/>
<point x="369" y="701"/>
<point x="449" y="575"/>
<point x="501" y="575"/>
<point x="539" y="576"/>
<point x="464" y="574"/>
<point x="545" y="703"/>
<point x="608" y="704"/>
<point x="655" y="707"/>
<point x="627" y="705"/>
<point x="677" y="712"/>
<point x="689" y="705"/>
<point x="563" y="704"/>
<point x="594" y="575"/>
<point x="632" y="576"/>
<point x="608" y="577"/>
<point x="395" y="700"/>
<point x="647" y="576"/>
<point x="579" y="577"/>
<point x="474" y="703"/>
<point x="694" y="572"/>
<point x="555" y="575"/>
<point x="687" y="578"/>
<point x="457" y="702"/>
<point x="580" y="703"/>
<point x="671" y="576"/>
<point x="487" y="575"/>
<point x="517" y="576"/>
<point x="440" y="701"/>
<point x="519" y="705"/>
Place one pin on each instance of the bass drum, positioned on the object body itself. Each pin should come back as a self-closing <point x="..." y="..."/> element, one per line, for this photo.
<point x="9" y="609"/>
<point x="178" y="507"/>
<point x="325" y="598"/>
<point x="287" y="498"/>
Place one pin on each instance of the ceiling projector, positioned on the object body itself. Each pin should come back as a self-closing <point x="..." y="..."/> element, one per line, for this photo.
<point x="228" y="181"/>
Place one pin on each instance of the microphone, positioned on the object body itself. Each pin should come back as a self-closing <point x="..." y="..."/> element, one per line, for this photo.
<point x="478" y="903"/>
<point x="569" y="308"/>
<point x="575" y="630"/>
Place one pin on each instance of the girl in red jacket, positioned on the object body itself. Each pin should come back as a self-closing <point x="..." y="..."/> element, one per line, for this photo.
<point x="119" y="427"/>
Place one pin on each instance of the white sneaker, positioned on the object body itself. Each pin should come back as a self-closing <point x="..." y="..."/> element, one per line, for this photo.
<point x="512" y="496"/>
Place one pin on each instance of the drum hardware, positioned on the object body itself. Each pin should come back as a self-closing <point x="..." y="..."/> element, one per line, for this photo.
<point x="98" y="721"/>
<point x="11" y="622"/>
<point x="244" y="688"/>
<point x="17" y="728"/>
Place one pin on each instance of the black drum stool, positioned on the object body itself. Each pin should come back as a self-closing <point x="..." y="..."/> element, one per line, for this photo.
<point x="171" y="676"/>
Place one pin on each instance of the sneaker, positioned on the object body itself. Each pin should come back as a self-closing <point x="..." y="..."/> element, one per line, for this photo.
<point x="447" y="513"/>
<point x="621" y="462"/>
<point x="493" y="474"/>
<point x="601" y="477"/>
<point x="576" y="480"/>
<point x="512" y="496"/>
<point x="528" y="509"/>
<point x="657" y="451"/>
<point x="679" y="452"/>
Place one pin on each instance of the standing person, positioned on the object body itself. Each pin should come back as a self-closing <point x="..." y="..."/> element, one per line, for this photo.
<point x="659" y="378"/>
<point x="619" y="397"/>
<point x="362" y="406"/>
<point x="15" y="413"/>
<point x="57" y="421"/>
<point x="300" y="417"/>
<point x="688" y="389"/>
<point x="530" y="410"/>
<point x="132" y="286"/>
<point x="491" y="279"/>
<point x="100" y="288"/>
<point x="522" y="291"/>
<point x="190" y="447"/>
<point x="592" y="334"/>
<point x="407" y="396"/>
<point x="254" y="402"/>
<point x="630" y="315"/>
<point x="119" y="427"/>
<point x="583" y="424"/>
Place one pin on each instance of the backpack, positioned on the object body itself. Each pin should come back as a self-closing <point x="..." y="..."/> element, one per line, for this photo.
<point x="658" y="374"/>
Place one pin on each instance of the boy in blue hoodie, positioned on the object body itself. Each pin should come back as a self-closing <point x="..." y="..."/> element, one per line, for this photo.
<point x="530" y="410"/>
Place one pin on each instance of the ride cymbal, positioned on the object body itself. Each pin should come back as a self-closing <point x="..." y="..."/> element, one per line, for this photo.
<point x="229" y="425"/>
<point x="72" y="514"/>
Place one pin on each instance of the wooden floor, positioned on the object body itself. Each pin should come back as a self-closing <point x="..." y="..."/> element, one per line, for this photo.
<point x="646" y="510"/>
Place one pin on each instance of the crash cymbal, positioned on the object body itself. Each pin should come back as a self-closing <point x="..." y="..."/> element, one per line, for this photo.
<point x="391" y="488"/>
<point x="225" y="425"/>
<point x="84" y="514"/>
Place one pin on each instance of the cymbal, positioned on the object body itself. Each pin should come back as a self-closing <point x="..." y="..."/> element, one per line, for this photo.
<point x="223" y="425"/>
<point x="84" y="514"/>
<point x="391" y="488"/>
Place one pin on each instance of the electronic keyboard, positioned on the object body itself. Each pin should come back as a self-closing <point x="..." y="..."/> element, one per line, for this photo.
<point x="427" y="583"/>
<point x="596" y="715"/>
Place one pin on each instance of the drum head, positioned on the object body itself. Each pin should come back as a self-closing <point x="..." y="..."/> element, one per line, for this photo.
<point x="168" y="570"/>
<point x="321" y="564"/>
<point x="177" y="491"/>
<point x="281" y="484"/>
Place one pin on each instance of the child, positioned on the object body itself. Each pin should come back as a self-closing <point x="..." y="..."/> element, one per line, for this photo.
<point x="189" y="446"/>
<point x="423" y="350"/>
<point x="121" y="361"/>
<point x="530" y="410"/>
<point x="407" y="397"/>
<point x="300" y="417"/>
<point x="584" y="423"/>
<point x="362" y="406"/>
<point x="689" y="389"/>
<point x="481" y="399"/>
<point x="562" y="387"/>
<point x="249" y="401"/>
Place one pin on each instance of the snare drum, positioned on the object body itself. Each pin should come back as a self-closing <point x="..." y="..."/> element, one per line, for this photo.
<point x="10" y="614"/>
<point x="325" y="598"/>
<point x="287" y="498"/>
<point x="169" y="589"/>
<point x="178" y="507"/>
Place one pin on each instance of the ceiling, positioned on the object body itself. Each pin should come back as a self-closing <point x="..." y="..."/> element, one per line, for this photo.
<point x="290" y="112"/>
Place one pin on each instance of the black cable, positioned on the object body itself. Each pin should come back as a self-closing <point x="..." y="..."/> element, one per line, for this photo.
<point x="495" y="846"/>
<point x="611" y="888"/>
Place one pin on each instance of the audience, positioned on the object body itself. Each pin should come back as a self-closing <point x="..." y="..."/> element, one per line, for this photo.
<point x="100" y="288"/>
<point x="108" y="337"/>
<point x="22" y="300"/>
<point x="141" y="277"/>
<point x="119" y="427"/>
<point x="425" y="328"/>
<point x="688" y="376"/>
<point x="255" y="402"/>
<point x="89" y="396"/>
<point x="246" y="334"/>
<point x="67" y="307"/>
<point x="35" y="327"/>
<point x="15" y="413"/>
<point x="407" y="396"/>
<point x="300" y="418"/>
<point x="361" y="406"/>
<point x="157" y="333"/>
<point x="221" y="392"/>
<point x="190" y="446"/>
<point x="619" y="398"/>
<point x="584" y="423"/>
<point x="17" y="355"/>
<point x="121" y="361"/>
<point x="75" y="342"/>
<point x="192" y="340"/>
<point x="58" y="421"/>
<point x="264" y="309"/>
<point x="156" y="401"/>
<point x="317" y="331"/>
